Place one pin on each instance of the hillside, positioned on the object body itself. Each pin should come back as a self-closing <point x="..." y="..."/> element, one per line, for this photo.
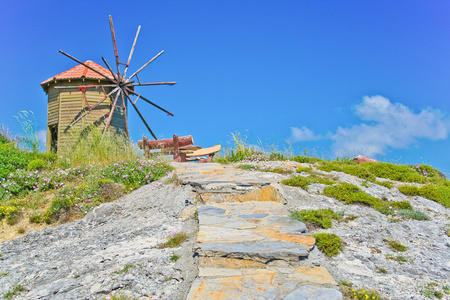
<point x="395" y="244"/>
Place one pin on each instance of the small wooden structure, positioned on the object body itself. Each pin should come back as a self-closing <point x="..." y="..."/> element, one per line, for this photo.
<point x="74" y="92"/>
<point x="182" y="148"/>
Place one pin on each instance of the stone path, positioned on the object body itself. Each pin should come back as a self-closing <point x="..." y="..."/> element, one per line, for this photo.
<point x="248" y="246"/>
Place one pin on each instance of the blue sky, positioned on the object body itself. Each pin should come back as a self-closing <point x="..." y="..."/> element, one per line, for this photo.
<point x="336" y="77"/>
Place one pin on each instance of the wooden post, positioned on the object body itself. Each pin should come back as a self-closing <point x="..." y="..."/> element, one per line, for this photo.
<point x="176" y="148"/>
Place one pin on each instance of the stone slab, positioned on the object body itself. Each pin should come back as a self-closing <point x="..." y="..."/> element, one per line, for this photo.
<point x="318" y="275"/>
<point x="314" y="293"/>
<point x="254" y="286"/>
<point x="260" y="251"/>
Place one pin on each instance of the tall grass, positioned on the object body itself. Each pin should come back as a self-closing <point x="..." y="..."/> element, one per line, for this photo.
<point x="95" y="149"/>
<point x="29" y="139"/>
<point x="240" y="150"/>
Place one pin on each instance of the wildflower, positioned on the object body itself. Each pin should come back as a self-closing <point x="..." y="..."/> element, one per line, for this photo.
<point x="390" y="207"/>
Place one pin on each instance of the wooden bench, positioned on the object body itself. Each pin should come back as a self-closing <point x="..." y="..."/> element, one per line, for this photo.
<point x="182" y="148"/>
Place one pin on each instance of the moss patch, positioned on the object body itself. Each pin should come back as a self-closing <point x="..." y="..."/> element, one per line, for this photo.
<point x="321" y="217"/>
<point x="329" y="243"/>
<point x="303" y="182"/>
<point x="351" y="194"/>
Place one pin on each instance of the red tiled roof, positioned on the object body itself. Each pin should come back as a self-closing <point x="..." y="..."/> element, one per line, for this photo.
<point x="81" y="71"/>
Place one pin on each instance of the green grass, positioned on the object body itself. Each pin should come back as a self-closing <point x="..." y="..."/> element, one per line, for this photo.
<point x="351" y="194"/>
<point x="329" y="243"/>
<point x="174" y="240"/>
<point x="125" y="269"/>
<point x="37" y="184"/>
<point x="16" y="290"/>
<point x="174" y="258"/>
<point x="321" y="217"/>
<point x="396" y="245"/>
<point x="303" y="182"/>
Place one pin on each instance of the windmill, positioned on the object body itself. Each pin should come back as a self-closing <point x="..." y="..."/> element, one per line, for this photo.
<point x="121" y="87"/>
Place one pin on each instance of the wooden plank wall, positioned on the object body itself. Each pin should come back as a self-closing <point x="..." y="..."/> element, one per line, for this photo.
<point x="70" y="107"/>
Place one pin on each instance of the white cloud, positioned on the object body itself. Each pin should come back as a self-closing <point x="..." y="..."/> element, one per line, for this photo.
<point x="387" y="126"/>
<point x="303" y="134"/>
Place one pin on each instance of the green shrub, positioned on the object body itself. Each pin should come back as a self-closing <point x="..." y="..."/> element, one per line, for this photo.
<point x="35" y="218"/>
<point x="436" y="192"/>
<point x="36" y="164"/>
<point x="321" y="217"/>
<point x="306" y="159"/>
<point x="369" y="171"/>
<point x="351" y="194"/>
<point x="329" y="243"/>
<point x="387" y="184"/>
<point x="396" y="245"/>
<point x="174" y="258"/>
<point x="409" y="190"/>
<point x="303" y="182"/>
<point x="360" y="294"/>
<point x="298" y="181"/>
<point x="303" y="169"/>
<point x="11" y="213"/>
<point x="413" y="214"/>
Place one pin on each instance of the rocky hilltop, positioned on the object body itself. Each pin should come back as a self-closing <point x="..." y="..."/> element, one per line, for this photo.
<point x="241" y="242"/>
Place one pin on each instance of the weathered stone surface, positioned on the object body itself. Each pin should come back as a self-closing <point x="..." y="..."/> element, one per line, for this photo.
<point x="318" y="275"/>
<point x="210" y="211"/>
<point x="314" y="293"/>
<point x="188" y="213"/>
<point x="255" y="286"/>
<point x="261" y="251"/>
<point x="230" y="263"/>
<point x="252" y="216"/>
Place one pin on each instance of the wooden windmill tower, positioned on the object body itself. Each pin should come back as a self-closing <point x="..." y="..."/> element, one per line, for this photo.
<point x="90" y="95"/>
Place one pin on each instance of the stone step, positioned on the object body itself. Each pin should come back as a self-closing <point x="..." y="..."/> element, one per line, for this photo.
<point x="248" y="246"/>
<point x="259" y="231"/>
<point x="264" y="283"/>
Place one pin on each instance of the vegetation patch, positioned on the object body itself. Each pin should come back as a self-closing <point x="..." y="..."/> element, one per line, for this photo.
<point x="436" y="192"/>
<point x="321" y="217"/>
<point x="124" y="269"/>
<point x="174" y="258"/>
<point x="303" y="182"/>
<point x="431" y="290"/>
<point x="329" y="243"/>
<point x="387" y="184"/>
<point x="303" y="169"/>
<point x="413" y="215"/>
<point x="16" y="290"/>
<point x="351" y="194"/>
<point x="396" y="245"/>
<point x="360" y="294"/>
<point x="400" y="259"/>
<point x="306" y="159"/>
<point x="50" y="188"/>
<point x="174" y="240"/>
